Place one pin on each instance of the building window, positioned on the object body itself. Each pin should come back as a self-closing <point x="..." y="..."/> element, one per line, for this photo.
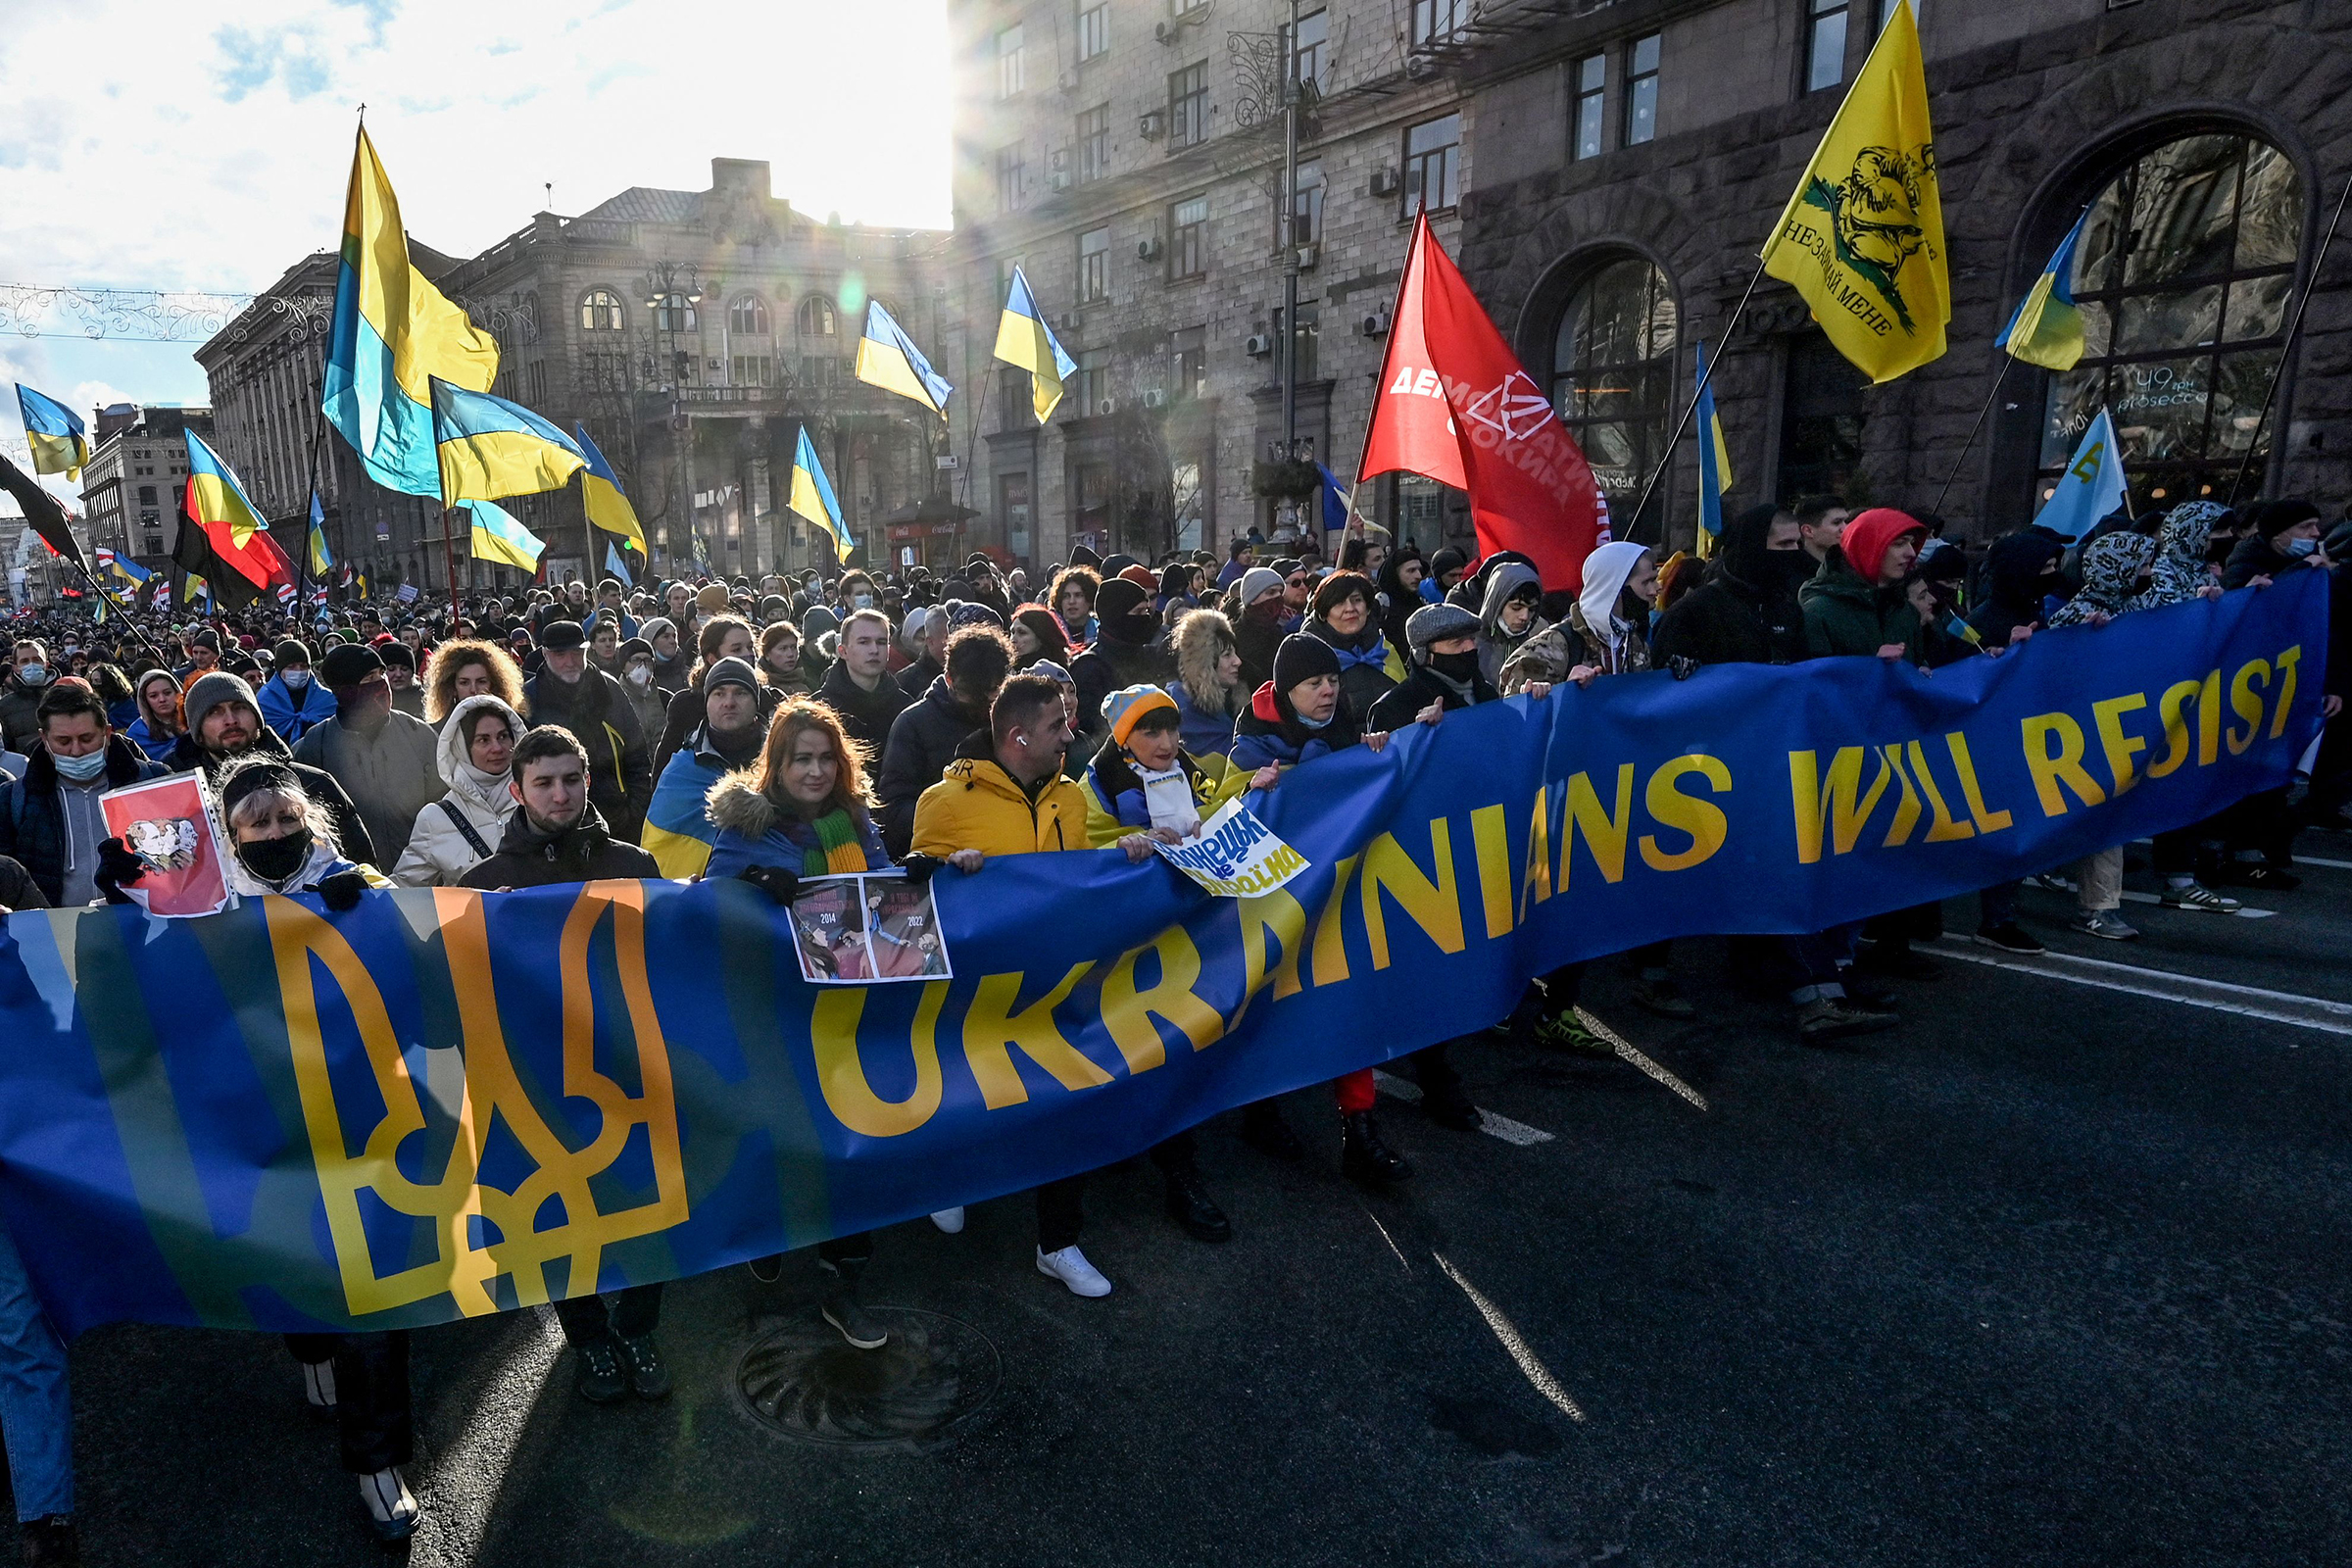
<point x="600" y="311"/>
<point x="815" y="316"/>
<point x="1306" y="206"/>
<point x="1010" y="177"/>
<point x="1190" y="349"/>
<point x="147" y="495"/>
<point x="1185" y="7"/>
<point x="674" y="312"/>
<point x="1307" y="50"/>
<point x="1190" y="499"/>
<point x="1188" y="106"/>
<point x="1821" y="420"/>
<point x="1094" y="30"/>
<point x="1825" y="42"/>
<point x="2182" y="276"/>
<point x="1591" y="96"/>
<point x="538" y="380"/>
<point x="747" y="316"/>
<point x="752" y="369"/>
<point x="1013" y="510"/>
<point x="1641" y="91"/>
<point x="1093" y="143"/>
<point x="1011" y="62"/>
<point x="1187" y="237"/>
<point x="1612" y="370"/>
<point x="1094" y="381"/>
<point x="821" y="371"/>
<point x="1433" y="164"/>
<point x="1306" y="341"/>
<point x="1439" y="22"/>
<point x="153" y="545"/>
<point x="1094" y="266"/>
<point x="606" y="371"/>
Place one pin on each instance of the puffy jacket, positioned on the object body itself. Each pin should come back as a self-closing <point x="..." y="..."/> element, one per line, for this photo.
<point x="978" y="806"/>
<point x="1403" y="706"/>
<point x="620" y="770"/>
<point x="584" y="852"/>
<point x="1496" y="645"/>
<point x="753" y="830"/>
<point x="390" y="776"/>
<point x="19" y="726"/>
<point x="1844" y="614"/>
<point x="1205" y="708"/>
<point x="924" y="741"/>
<point x="1114" y="796"/>
<point x="34" y="826"/>
<point x="439" y="852"/>
<point x="1370" y="667"/>
<point x="1267" y="734"/>
<point x="291" y="713"/>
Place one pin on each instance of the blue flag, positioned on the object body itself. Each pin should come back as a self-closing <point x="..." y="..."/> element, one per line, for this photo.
<point x="2092" y="487"/>
<point x="616" y="565"/>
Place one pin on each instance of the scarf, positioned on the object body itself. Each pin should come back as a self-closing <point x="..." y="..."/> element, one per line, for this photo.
<point x="1168" y="797"/>
<point x="838" y="850"/>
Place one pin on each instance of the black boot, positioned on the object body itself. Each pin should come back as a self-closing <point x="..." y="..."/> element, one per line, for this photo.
<point x="1264" y="1130"/>
<point x="50" y="1542"/>
<point x="1364" y="1159"/>
<point x="1190" y="1206"/>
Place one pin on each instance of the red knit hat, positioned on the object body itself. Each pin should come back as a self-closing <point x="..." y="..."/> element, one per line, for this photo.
<point x="1867" y="537"/>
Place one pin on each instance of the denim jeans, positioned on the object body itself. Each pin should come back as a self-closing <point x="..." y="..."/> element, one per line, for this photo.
<point x="36" y="1411"/>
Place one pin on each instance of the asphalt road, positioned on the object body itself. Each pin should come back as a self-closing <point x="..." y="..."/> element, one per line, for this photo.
<point x="2057" y="1273"/>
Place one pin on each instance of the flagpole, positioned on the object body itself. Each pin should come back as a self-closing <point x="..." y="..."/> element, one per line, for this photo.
<point x="128" y="619"/>
<point x="1967" y="446"/>
<point x="971" y="444"/>
<point x="302" y="567"/>
<point x="1683" y="425"/>
<point x="2286" y="350"/>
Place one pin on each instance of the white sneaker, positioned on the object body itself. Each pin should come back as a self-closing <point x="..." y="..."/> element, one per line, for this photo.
<point x="391" y="1506"/>
<point x="949" y="1220"/>
<point x="1070" y="1265"/>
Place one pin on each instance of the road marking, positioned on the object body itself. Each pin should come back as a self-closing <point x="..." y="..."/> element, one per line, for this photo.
<point x="1535" y="1371"/>
<point x="1625" y="1048"/>
<point x="2251" y="1002"/>
<point x="2130" y="896"/>
<point x="1490" y="1123"/>
<point x="2333" y="865"/>
<point x="1383" y="1236"/>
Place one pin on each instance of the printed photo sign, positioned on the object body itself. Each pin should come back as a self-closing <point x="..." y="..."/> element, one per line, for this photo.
<point x="166" y="823"/>
<point x="866" y="930"/>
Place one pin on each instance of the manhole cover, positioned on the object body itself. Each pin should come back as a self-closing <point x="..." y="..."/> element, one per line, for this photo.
<point x="803" y="1381"/>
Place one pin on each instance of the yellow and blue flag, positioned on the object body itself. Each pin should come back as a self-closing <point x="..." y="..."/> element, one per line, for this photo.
<point x="490" y="448"/>
<point x="887" y="358"/>
<point x="1714" y="464"/>
<point x="679" y="832"/>
<point x="600" y="493"/>
<point x="129" y="571"/>
<point x="394" y="333"/>
<point x="498" y="536"/>
<point x="55" y="432"/>
<point x="1025" y="341"/>
<point x="813" y="495"/>
<point x="2047" y="327"/>
<point x="322" y="560"/>
<point x="195" y="589"/>
<point x="215" y="497"/>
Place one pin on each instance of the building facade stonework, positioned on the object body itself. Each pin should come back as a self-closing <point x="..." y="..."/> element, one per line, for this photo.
<point x="137" y="473"/>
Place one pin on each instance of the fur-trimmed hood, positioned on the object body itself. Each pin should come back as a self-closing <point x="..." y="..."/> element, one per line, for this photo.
<point x="737" y="805"/>
<point x="1202" y="637"/>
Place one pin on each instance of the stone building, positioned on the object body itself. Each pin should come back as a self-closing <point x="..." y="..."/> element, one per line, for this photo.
<point x="132" y="485"/>
<point x="1130" y="155"/>
<point x="693" y="333"/>
<point x="2204" y="137"/>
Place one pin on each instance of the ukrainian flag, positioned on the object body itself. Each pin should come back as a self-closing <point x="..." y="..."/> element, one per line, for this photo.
<point x="216" y="499"/>
<point x="498" y="536"/>
<point x="393" y="334"/>
<point x="322" y="560"/>
<point x="129" y="571"/>
<point x="887" y="358"/>
<point x="813" y="495"/>
<point x="679" y="832"/>
<point x="600" y="493"/>
<point x="54" y="434"/>
<point x="491" y="448"/>
<point x="1714" y="464"/>
<point x="1023" y="340"/>
<point x="2048" y="329"/>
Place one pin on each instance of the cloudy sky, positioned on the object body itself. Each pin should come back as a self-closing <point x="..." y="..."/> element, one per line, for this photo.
<point x="154" y="146"/>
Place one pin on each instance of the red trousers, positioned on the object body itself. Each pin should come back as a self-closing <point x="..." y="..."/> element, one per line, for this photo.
<point x="1354" y="1092"/>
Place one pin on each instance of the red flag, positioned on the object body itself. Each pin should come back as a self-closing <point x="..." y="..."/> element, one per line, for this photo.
<point x="1455" y="406"/>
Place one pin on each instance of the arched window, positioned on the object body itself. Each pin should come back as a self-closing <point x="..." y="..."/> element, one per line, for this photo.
<point x="674" y="313"/>
<point x="2183" y="275"/>
<point x="746" y="314"/>
<point x="600" y="311"/>
<point x="1612" y="370"/>
<point x="817" y="316"/>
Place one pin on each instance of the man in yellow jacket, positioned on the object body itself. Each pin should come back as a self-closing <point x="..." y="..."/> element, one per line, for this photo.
<point x="1004" y="795"/>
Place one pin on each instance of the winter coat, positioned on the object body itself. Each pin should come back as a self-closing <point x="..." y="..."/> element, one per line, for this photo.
<point x="1114" y="796"/>
<point x="290" y="712"/>
<point x="1205" y="708"/>
<point x="678" y="820"/>
<point x="1423" y="687"/>
<point x="621" y="766"/>
<point x="924" y="741"/>
<point x="1844" y="614"/>
<point x="157" y="746"/>
<point x="1112" y="666"/>
<point x="19" y="725"/>
<point x="585" y="851"/>
<point x="978" y="806"/>
<point x="18" y="889"/>
<point x="1397" y="602"/>
<point x="35" y="826"/>
<point x="866" y="716"/>
<point x="1594" y="649"/>
<point x="389" y="777"/>
<point x="1370" y="665"/>
<point x="1270" y="733"/>
<point x="351" y="829"/>
<point x="2111" y="567"/>
<point x="917" y="679"/>
<point x="686" y="713"/>
<point x="754" y="830"/>
<point x="2015" y="584"/>
<point x="1257" y="637"/>
<point x="1494" y="645"/>
<point x="439" y="851"/>
<point x="2254" y="557"/>
<point x="2181" y="540"/>
<point x="650" y="704"/>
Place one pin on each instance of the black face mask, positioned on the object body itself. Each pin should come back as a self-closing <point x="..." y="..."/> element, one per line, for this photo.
<point x="2217" y="547"/>
<point x="1455" y="666"/>
<point x="276" y="859"/>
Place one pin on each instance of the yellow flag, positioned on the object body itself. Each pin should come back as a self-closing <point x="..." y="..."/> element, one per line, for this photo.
<point x="1862" y="238"/>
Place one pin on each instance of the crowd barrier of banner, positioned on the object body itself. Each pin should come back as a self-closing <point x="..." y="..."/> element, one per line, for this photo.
<point x="442" y="1104"/>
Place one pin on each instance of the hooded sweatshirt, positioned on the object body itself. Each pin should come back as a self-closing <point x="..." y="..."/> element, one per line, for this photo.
<point x="439" y="851"/>
<point x="2182" y="573"/>
<point x="1848" y="610"/>
<point x="1494" y="645"/>
<point x="1614" y="645"/>
<point x="2111" y="569"/>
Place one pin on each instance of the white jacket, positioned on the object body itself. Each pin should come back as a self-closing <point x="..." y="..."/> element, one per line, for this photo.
<point x="438" y="854"/>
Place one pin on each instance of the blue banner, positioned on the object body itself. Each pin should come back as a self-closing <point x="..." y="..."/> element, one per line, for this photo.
<point x="445" y="1104"/>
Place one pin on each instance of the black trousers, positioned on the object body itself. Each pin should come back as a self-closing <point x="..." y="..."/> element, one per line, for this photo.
<point x="1060" y="1214"/>
<point x="634" y="1313"/>
<point x="374" y="1422"/>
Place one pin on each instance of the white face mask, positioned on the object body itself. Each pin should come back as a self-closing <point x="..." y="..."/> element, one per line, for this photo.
<point x="295" y="679"/>
<point x="641" y="674"/>
<point x="863" y="601"/>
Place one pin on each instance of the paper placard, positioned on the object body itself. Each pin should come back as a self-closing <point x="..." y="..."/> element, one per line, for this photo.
<point x="868" y="930"/>
<point x="1235" y="855"/>
<point x="166" y="822"/>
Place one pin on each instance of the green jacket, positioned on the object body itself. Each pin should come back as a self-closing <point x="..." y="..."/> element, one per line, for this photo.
<point x="1844" y="614"/>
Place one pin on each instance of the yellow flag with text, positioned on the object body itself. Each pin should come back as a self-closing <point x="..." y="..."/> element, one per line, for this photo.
<point x="1862" y="238"/>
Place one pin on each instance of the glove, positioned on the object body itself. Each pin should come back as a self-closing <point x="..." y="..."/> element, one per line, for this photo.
<point x="341" y="892"/>
<point x="117" y="865"/>
<point x="1682" y="666"/>
<point x="920" y="867"/>
<point x="780" y="883"/>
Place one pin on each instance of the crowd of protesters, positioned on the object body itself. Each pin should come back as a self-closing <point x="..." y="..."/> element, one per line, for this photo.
<point x="809" y="726"/>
